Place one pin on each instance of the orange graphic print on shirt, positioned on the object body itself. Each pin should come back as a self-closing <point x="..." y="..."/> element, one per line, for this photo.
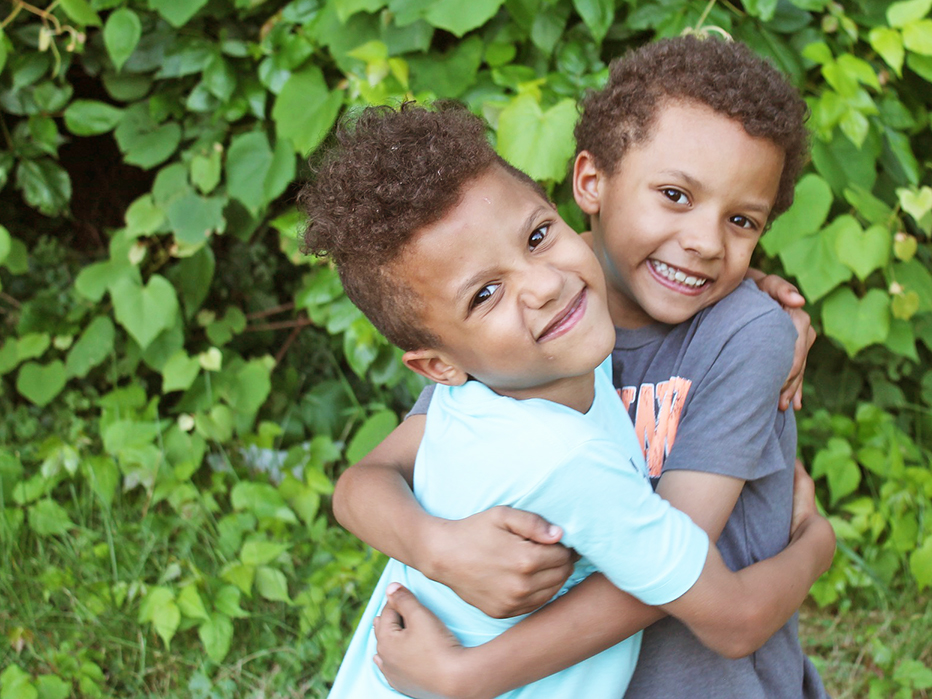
<point x="656" y="417"/>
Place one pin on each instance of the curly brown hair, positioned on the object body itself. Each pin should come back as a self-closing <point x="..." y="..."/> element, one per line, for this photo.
<point x="385" y="175"/>
<point x="724" y="75"/>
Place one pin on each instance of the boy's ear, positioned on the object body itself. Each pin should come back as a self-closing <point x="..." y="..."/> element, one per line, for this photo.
<point x="587" y="181"/>
<point x="432" y="365"/>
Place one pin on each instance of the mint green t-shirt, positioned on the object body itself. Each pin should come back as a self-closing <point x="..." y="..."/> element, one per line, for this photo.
<point x="583" y="472"/>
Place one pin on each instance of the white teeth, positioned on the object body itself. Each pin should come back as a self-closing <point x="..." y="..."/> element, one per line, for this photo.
<point x="676" y="275"/>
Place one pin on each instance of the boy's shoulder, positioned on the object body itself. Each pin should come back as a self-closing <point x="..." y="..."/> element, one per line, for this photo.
<point x="745" y="311"/>
<point x="536" y="424"/>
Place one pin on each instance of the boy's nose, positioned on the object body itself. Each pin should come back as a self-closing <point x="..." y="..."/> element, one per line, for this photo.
<point x="704" y="239"/>
<point x="541" y="284"/>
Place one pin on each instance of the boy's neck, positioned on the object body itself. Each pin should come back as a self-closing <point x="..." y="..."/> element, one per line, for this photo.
<point x="576" y="392"/>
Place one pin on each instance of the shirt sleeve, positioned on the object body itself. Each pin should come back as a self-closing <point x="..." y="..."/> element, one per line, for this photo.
<point x="731" y="421"/>
<point x="423" y="401"/>
<point x="612" y="517"/>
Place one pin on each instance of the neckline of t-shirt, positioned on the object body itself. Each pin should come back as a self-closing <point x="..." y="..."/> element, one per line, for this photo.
<point x="632" y="338"/>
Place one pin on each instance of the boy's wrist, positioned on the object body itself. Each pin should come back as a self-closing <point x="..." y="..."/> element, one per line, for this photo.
<point x="431" y="552"/>
<point x="817" y="533"/>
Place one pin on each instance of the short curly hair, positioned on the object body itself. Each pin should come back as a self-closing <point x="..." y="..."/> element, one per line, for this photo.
<point x="385" y="175"/>
<point x="724" y="75"/>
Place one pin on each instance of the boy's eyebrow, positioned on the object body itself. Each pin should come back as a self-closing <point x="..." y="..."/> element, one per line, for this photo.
<point x="759" y="207"/>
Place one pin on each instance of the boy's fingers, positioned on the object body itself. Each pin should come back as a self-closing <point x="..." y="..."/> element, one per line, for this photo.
<point x="530" y="526"/>
<point x="402" y="604"/>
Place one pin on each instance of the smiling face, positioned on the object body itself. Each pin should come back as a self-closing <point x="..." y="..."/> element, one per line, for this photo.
<point x="674" y="227"/>
<point x="514" y="294"/>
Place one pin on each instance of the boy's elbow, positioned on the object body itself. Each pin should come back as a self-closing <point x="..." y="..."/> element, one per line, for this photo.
<point x="746" y="631"/>
<point x="339" y="500"/>
<point x="739" y="633"/>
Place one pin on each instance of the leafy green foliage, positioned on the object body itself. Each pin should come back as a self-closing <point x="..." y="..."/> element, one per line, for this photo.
<point x="181" y="386"/>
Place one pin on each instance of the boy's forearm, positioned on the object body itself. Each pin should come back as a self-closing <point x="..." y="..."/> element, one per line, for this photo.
<point x="373" y="499"/>
<point x="593" y="616"/>
<point x="736" y="613"/>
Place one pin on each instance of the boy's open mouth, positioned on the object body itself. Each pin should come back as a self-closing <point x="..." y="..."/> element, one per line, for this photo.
<point x="678" y="276"/>
<point x="566" y="319"/>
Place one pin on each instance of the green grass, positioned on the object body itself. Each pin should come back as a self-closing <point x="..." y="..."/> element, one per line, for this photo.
<point x="871" y="652"/>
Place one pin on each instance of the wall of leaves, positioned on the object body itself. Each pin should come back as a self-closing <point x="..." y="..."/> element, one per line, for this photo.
<point x="165" y="346"/>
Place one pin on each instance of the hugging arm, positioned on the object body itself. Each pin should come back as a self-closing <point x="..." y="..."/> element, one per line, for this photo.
<point x="500" y="561"/>
<point x="792" y="301"/>
<point x="733" y="613"/>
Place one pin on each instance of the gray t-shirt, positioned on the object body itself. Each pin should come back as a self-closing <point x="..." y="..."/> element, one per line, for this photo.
<point x="703" y="397"/>
<point x="710" y="385"/>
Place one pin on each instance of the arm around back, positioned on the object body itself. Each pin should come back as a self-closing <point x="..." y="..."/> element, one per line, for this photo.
<point x="503" y="561"/>
<point x="734" y="613"/>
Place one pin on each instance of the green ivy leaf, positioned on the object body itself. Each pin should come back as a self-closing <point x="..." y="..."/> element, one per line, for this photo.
<point x="250" y="387"/>
<point x="856" y="323"/>
<point x="914" y="276"/>
<point x="248" y="161"/>
<point x="836" y="463"/>
<point x="190" y="603"/>
<point x="899" y="14"/>
<point x="90" y="117"/>
<point x="179" y="372"/>
<point x="227" y="602"/>
<point x="306" y="109"/>
<point x="16" y="684"/>
<point x="272" y="585"/>
<point x="143" y="141"/>
<point x="193" y="218"/>
<point x="216" y="634"/>
<point x="863" y="251"/>
<point x="93" y="347"/>
<point x="205" y="168"/>
<point x="259" y="552"/>
<point x="843" y="164"/>
<point x="764" y="9"/>
<point x="918" y="204"/>
<point x="814" y="262"/>
<point x="144" y="311"/>
<point x="121" y="35"/>
<point x="41" y="383"/>
<point x="32" y="345"/>
<point x="6" y="243"/>
<point x="811" y="204"/>
<point x="95" y="280"/>
<point x="869" y="207"/>
<point x="48" y="518"/>
<point x="370" y="434"/>
<point x="459" y="17"/>
<point x="347" y="8"/>
<point x="103" y="477"/>
<point x="264" y="501"/>
<point x="52" y="687"/>
<point x="159" y="607"/>
<point x="889" y="44"/>
<point x="177" y="13"/>
<point x="450" y="74"/>
<point x="539" y="143"/>
<point x="80" y="12"/>
<point x="143" y="217"/>
<point x="45" y="185"/>
<point x="920" y="564"/>
<point x="242" y="576"/>
<point x="599" y="14"/>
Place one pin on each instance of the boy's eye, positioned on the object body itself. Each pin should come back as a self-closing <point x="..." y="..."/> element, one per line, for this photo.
<point x="675" y="195"/>
<point x="483" y="295"/>
<point x="744" y="222"/>
<point x="538" y="235"/>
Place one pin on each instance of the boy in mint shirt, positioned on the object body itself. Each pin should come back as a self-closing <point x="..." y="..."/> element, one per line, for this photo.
<point x="684" y="158"/>
<point x="463" y="262"/>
